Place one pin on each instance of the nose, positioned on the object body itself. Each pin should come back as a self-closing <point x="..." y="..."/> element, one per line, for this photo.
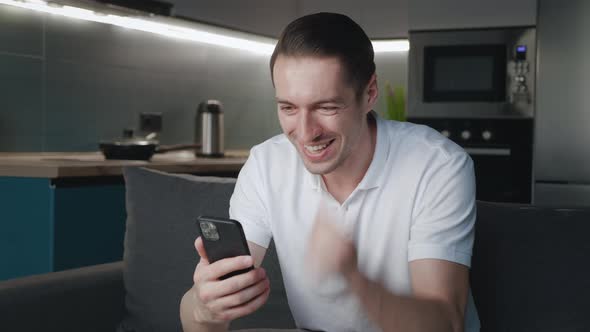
<point x="309" y="129"/>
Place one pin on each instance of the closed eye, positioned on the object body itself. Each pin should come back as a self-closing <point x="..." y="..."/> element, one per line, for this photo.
<point x="287" y="109"/>
<point x="328" y="109"/>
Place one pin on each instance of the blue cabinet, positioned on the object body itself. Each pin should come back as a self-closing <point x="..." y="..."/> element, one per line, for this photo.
<point x="55" y="224"/>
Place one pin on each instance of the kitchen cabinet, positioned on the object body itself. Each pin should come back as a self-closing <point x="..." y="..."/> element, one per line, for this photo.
<point x="65" y="210"/>
<point x="351" y="8"/>
<point x="460" y="14"/>
<point x="265" y="17"/>
<point x="385" y="19"/>
<point x="379" y="18"/>
<point x="51" y="226"/>
<point x="561" y="155"/>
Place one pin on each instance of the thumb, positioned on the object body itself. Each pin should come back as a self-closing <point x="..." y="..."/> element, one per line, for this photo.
<point x="201" y="250"/>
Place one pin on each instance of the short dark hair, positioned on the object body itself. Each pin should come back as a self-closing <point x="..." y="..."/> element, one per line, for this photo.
<point x="326" y="35"/>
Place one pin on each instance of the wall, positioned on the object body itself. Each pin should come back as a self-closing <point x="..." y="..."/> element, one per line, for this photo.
<point x="67" y="84"/>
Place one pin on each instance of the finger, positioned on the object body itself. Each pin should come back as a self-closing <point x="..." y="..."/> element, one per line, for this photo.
<point x="239" y="298"/>
<point x="218" y="289"/>
<point x="201" y="249"/>
<point x="247" y="308"/>
<point x="238" y="283"/>
<point x="228" y="265"/>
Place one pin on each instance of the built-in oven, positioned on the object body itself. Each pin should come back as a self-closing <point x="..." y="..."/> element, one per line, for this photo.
<point x="477" y="87"/>
<point x="501" y="150"/>
<point x="486" y="73"/>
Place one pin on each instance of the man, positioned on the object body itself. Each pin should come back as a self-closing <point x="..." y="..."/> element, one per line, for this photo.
<point x="372" y="219"/>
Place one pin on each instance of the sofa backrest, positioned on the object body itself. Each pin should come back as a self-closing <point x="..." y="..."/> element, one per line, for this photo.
<point x="160" y="258"/>
<point x="530" y="269"/>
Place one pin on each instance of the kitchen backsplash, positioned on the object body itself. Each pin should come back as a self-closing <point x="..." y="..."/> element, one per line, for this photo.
<point x="67" y="84"/>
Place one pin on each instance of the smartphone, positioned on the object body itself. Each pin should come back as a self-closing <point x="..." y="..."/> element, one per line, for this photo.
<point x="223" y="238"/>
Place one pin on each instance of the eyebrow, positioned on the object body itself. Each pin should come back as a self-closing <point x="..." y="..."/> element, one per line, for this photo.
<point x="283" y="101"/>
<point x="319" y="102"/>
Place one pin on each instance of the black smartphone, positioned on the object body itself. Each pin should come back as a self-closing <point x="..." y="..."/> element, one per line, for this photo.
<point x="223" y="238"/>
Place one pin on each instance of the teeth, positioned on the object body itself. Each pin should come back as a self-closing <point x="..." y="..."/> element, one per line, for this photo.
<point x="315" y="148"/>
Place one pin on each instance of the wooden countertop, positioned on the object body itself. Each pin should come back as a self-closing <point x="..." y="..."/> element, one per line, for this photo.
<point x="80" y="164"/>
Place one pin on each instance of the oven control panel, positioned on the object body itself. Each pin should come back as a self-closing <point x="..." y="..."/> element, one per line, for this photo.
<point x="482" y="132"/>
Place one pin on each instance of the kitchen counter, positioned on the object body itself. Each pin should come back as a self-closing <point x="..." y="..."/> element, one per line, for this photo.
<point x="66" y="210"/>
<point x="83" y="164"/>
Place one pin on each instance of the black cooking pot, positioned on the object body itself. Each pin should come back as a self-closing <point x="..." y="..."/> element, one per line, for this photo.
<point x="138" y="148"/>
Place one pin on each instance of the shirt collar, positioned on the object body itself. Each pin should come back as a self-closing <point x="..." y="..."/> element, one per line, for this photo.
<point x="314" y="181"/>
<point x="372" y="178"/>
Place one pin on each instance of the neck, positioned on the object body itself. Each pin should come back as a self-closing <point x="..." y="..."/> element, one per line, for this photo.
<point x="341" y="182"/>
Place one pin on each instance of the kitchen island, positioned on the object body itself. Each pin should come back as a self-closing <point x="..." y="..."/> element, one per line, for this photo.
<point x="66" y="210"/>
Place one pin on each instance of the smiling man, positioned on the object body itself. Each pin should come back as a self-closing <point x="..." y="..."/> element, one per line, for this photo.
<point x="372" y="219"/>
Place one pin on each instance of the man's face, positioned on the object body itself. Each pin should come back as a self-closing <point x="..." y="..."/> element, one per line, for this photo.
<point x="318" y="110"/>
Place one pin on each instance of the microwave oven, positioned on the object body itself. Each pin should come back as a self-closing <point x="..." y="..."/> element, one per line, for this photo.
<point x="477" y="73"/>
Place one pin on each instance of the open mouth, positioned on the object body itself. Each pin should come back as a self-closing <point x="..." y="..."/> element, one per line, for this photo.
<point x="318" y="148"/>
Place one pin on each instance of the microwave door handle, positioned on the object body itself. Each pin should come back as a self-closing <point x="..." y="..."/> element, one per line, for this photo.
<point x="502" y="152"/>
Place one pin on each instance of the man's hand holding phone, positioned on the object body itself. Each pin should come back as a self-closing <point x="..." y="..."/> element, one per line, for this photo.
<point x="220" y="301"/>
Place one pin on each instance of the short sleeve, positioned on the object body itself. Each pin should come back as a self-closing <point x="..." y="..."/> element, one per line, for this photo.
<point x="444" y="219"/>
<point x="248" y="203"/>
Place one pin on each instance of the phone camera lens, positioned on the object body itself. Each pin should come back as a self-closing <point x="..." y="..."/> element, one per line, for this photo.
<point x="209" y="231"/>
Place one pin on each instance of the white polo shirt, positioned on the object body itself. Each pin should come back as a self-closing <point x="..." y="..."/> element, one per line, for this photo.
<point x="416" y="201"/>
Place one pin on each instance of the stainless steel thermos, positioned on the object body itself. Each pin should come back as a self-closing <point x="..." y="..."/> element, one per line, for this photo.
<point x="209" y="129"/>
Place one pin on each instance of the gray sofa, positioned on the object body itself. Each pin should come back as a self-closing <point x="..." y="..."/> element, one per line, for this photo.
<point x="530" y="268"/>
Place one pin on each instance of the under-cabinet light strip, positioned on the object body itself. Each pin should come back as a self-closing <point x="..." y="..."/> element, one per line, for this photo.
<point x="265" y="47"/>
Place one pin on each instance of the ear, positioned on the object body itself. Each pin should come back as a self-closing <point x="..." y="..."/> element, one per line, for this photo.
<point x="371" y="93"/>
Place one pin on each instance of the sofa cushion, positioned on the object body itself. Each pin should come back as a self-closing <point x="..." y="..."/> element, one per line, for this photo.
<point x="529" y="268"/>
<point x="159" y="257"/>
